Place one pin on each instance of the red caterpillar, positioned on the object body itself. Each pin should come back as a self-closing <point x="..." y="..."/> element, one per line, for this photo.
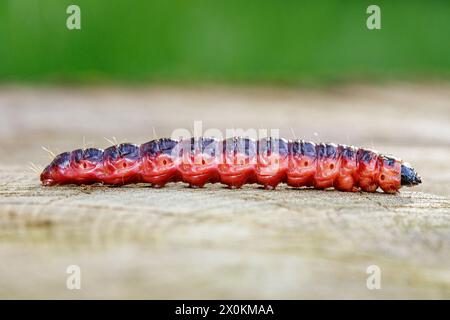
<point x="234" y="162"/>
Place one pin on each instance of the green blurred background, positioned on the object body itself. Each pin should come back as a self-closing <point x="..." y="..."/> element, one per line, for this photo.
<point x="284" y="41"/>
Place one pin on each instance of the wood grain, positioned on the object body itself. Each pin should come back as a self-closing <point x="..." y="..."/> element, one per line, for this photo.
<point x="176" y="242"/>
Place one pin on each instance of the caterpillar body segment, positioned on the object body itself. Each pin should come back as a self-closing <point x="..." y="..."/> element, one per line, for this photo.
<point x="233" y="162"/>
<point x="159" y="165"/>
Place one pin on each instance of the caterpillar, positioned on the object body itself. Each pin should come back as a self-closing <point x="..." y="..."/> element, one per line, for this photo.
<point x="233" y="162"/>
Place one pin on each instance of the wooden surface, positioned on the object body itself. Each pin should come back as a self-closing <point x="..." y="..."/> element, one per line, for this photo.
<point x="176" y="242"/>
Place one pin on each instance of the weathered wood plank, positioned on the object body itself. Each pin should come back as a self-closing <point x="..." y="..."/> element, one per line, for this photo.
<point x="136" y="242"/>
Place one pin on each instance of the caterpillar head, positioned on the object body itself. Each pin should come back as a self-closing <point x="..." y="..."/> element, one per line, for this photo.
<point x="409" y="176"/>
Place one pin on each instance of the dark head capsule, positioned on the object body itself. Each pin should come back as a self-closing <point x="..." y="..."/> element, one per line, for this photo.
<point x="409" y="176"/>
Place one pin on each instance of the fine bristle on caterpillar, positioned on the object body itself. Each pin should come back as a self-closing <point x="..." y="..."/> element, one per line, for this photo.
<point x="233" y="162"/>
